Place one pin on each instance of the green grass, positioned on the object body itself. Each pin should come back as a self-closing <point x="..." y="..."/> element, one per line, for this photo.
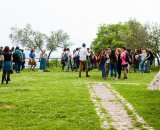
<point x="61" y="101"/>
<point x="146" y="103"/>
<point x="47" y="100"/>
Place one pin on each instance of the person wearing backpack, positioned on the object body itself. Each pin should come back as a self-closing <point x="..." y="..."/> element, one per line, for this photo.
<point x="124" y="62"/>
<point x="66" y="59"/>
<point x="17" y="59"/>
<point x="76" y="59"/>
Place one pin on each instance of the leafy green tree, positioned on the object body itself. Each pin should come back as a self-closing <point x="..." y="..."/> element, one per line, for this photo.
<point x="112" y="35"/>
<point x="27" y="37"/>
<point x="154" y="34"/>
<point x="139" y="37"/>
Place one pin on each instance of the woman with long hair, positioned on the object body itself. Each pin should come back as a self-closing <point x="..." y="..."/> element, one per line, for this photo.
<point x="119" y="62"/>
<point x="113" y="64"/>
<point x="7" y="64"/>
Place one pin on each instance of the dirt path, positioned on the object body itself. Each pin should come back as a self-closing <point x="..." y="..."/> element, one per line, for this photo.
<point x="113" y="109"/>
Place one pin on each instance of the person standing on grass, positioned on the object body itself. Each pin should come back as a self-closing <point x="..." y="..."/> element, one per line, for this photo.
<point x="43" y="60"/>
<point x="17" y="59"/>
<point x="102" y="64"/>
<point x="69" y="59"/>
<point x="76" y="59"/>
<point x="66" y="59"/>
<point x="83" y="61"/>
<point x="124" y="62"/>
<point x="23" y="59"/>
<point x="113" y="64"/>
<point x="7" y="64"/>
<point x="62" y="59"/>
<point x="142" y="61"/>
<point x="1" y="56"/>
<point x="32" y="61"/>
<point x="108" y="52"/>
<point x="119" y="62"/>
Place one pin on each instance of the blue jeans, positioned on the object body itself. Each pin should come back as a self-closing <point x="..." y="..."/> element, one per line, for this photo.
<point x="103" y="69"/>
<point x="141" y="66"/>
<point x="89" y="66"/>
<point x="113" y="69"/>
<point x="17" y="66"/>
<point x="43" y="64"/>
<point x="76" y="64"/>
<point x="147" y="66"/>
<point x="67" y="65"/>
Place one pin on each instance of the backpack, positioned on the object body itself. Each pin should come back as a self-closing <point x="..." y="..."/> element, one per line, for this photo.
<point x="128" y="59"/>
<point x="65" y="57"/>
<point x="16" y="56"/>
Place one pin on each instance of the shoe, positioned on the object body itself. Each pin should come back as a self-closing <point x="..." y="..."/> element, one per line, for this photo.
<point x="7" y="81"/>
<point x="88" y="76"/>
<point x="125" y="78"/>
<point x="2" y="81"/>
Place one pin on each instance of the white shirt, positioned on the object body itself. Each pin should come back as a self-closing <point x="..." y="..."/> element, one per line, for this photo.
<point x="76" y="54"/>
<point x="83" y="54"/>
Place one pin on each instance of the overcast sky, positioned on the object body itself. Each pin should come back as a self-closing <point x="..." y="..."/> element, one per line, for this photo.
<point x="79" y="18"/>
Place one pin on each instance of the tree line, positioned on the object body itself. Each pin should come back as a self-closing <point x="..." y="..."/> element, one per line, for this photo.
<point x="131" y="34"/>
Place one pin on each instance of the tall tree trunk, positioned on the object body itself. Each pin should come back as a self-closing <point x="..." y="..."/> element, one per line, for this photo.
<point x="49" y="57"/>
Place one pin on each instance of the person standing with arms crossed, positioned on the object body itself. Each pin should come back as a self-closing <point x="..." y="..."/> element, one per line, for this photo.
<point x="82" y="59"/>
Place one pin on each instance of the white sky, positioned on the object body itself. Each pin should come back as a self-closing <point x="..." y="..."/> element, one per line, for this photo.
<point x="79" y="18"/>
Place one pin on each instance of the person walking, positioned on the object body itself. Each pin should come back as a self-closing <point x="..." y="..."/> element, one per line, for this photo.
<point x="83" y="61"/>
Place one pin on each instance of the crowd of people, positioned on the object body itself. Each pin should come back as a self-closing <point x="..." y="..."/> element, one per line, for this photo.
<point x="109" y="61"/>
<point x="14" y="60"/>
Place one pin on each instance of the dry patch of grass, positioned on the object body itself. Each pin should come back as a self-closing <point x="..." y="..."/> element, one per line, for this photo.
<point x="6" y="106"/>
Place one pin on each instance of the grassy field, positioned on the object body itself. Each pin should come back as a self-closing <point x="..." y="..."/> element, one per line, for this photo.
<point x="61" y="101"/>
